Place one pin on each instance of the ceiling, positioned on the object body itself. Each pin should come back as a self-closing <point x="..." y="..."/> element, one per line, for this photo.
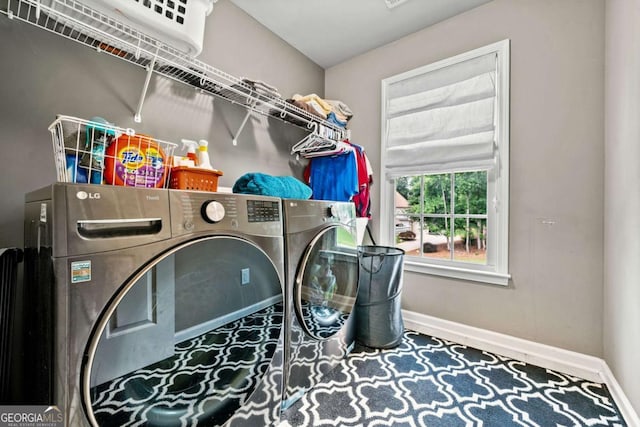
<point x="332" y="31"/>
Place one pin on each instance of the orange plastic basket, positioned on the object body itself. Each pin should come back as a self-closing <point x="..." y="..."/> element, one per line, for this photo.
<point x="186" y="178"/>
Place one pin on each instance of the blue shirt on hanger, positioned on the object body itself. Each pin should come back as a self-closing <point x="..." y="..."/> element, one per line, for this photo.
<point x="334" y="177"/>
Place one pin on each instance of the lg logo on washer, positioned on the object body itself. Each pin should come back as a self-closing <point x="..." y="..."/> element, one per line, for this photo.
<point x="83" y="195"/>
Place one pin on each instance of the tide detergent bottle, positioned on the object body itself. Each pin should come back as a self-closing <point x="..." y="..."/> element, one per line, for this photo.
<point x="135" y="161"/>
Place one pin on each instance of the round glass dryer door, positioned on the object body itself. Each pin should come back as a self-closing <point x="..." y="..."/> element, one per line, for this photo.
<point x="188" y="339"/>
<point x="327" y="282"/>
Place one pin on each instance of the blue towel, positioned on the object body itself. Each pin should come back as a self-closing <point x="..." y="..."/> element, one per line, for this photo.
<point x="332" y="118"/>
<point x="286" y="187"/>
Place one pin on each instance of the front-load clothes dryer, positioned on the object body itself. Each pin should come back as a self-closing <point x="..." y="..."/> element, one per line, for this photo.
<point x="153" y="307"/>
<point x="321" y="269"/>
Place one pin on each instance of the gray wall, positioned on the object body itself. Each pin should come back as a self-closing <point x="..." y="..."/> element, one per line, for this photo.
<point x="44" y="75"/>
<point x="622" y="200"/>
<point x="557" y="125"/>
<point x="557" y="148"/>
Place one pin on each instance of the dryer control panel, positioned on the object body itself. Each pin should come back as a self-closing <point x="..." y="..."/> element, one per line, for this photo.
<point x="304" y="215"/>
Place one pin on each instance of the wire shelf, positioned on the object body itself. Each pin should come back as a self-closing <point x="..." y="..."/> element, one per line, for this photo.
<point x="75" y="21"/>
<point x="97" y="152"/>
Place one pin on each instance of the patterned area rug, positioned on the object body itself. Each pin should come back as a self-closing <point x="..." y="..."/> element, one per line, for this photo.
<point x="428" y="381"/>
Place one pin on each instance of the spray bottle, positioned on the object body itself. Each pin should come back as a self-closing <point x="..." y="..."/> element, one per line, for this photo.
<point x="203" y="155"/>
<point x="191" y="150"/>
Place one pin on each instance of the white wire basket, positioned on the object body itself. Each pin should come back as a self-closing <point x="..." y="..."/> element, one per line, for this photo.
<point x="97" y="152"/>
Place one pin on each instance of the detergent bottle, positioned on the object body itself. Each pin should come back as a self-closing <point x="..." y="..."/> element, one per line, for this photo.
<point x="135" y="161"/>
<point x="191" y="150"/>
<point x="99" y="133"/>
<point x="203" y="155"/>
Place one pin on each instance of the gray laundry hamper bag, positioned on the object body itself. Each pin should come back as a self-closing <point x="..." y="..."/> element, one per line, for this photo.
<point x="378" y="306"/>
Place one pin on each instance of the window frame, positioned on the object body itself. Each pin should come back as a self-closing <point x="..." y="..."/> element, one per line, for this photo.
<point x="496" y="270"/>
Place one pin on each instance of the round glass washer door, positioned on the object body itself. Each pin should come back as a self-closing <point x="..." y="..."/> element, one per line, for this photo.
<point x="327" y="282"/>
<point x="188" y="339"/>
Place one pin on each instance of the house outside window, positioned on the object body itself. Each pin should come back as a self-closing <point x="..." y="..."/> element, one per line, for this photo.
<point x="445" y="160"/>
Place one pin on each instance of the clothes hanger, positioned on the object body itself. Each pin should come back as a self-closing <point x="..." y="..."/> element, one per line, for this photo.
<point x="338" y="148"/>
<point x="313" y="141"/>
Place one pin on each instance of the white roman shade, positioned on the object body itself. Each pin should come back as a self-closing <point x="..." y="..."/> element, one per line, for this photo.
<point x="442" y="119"/>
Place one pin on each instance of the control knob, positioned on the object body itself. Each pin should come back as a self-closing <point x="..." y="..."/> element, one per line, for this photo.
<point x="212" y="211"/>
<point x="332" y="211"/>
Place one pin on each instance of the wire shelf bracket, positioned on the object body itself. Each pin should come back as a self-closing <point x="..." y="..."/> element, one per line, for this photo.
<point x="138" y="116"/>
<point x="234" y="141"/>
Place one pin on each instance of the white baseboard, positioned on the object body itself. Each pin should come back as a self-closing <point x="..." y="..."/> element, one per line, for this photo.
<point x="629" y="414"/>
<point x="569" y="362"/>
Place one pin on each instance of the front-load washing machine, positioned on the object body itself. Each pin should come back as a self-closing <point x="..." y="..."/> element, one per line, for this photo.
<point x="153" y="307"/>
<point x="321" y="270"/>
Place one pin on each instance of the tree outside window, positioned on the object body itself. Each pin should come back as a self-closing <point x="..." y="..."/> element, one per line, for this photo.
<point x="441" y="226"/>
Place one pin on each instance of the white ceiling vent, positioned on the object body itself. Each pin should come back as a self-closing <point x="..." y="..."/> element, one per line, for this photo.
<point x="394" y="3"/>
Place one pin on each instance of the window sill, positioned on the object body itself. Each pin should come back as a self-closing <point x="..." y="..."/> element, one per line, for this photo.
<point x="458" y="273"/>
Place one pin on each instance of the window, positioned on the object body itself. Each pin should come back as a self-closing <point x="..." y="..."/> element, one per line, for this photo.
<point x="445" y="156"/>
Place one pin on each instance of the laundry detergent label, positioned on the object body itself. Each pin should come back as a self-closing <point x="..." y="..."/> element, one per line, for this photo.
<point x="135" y="161"/>
<point x="80" y="271"/>
<point x="140" y="166"/>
